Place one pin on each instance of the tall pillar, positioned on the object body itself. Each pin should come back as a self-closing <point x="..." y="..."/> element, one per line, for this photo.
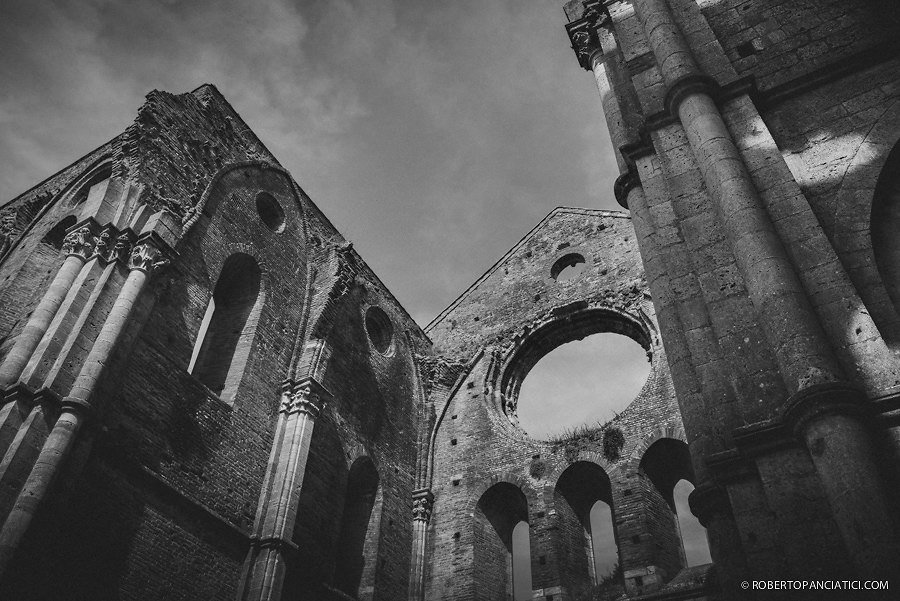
<point x="264" y="568"/>
<point x="78" y="404"/>
<point x="423" y="502"/>
<point x="77" y="247"/>
<point x="805" y="358"/>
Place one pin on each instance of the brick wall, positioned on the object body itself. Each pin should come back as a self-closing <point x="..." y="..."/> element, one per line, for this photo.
<point x="477" y="443"/>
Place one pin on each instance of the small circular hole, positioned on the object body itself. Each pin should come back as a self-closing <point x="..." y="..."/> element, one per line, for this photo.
<point x="270" y="212"/>
<point x="567" y="267"/>
<point x="379" y="329"/>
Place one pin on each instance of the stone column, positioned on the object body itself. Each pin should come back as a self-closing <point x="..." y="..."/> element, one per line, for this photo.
<point x="77" y="406"/>
<point x="803" y="352"/>
<point x="264" y="567"/>
<point x="78" y="246"/>
<point x="423" y="501"/>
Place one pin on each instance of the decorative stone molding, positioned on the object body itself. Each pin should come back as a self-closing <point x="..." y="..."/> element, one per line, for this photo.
<point x="833" y="398"/>
<point x="146" y="257"/>
<point x="273" y="542"/>
<point x="695" y="83"/>
<point x="307" y="397"/>
<point x="80" y="243"/>
<point x="583" y="32"/>
<point x="624" y="184"/>
<point x="423" y="503"/>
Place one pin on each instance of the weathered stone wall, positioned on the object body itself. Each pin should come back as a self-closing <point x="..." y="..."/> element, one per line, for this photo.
<point x="753" y="136"/>
<point x="507" y="320"/>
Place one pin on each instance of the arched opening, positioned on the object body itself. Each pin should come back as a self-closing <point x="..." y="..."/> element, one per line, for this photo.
<point x="57" y="234"/>
<point x="226" y="333"/>
<point x="586" y="546"/>
<point x="581" y="384"/>
<point x="521" y="562"/>
<point x="667" y="465"/>
<point x="83" y="188"/>
<point x="357" y="547"/>
<point x="885" y="225"/>
<point x="502" y="564"/>
<point x="693" y="534"/>
<point x="568" y="267"/>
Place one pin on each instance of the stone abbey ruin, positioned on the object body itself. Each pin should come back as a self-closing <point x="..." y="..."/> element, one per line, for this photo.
<point x="207" y="394"/>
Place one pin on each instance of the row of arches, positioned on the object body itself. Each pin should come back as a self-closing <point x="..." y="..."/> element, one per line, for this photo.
<point x="584" y="528"/>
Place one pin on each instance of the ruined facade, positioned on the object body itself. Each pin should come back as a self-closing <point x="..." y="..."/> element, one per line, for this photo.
<point x="207" y="394"/>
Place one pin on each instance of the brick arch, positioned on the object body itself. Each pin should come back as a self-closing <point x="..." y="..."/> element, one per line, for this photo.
<point x="584" y="455"/>
<point x="670" y="430"/>
<point x="232" y="248"/>
<point x="517" y="480"/>
<point x="358" y="541"/>
<point x="193" y="214"/>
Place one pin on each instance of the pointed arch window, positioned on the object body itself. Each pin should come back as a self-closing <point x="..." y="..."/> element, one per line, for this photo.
<point x="226" y="334"/>
<point x="357" y="549"/>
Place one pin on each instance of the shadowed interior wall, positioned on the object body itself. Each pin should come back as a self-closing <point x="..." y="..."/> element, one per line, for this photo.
<point x="225" y="345"/>
<point x="579" y="487"/>
<point x="357" y="549"/>
<point x="498" y="511"/>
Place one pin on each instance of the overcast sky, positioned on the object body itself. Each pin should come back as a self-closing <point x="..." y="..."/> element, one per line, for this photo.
<point x="434" y="134"/>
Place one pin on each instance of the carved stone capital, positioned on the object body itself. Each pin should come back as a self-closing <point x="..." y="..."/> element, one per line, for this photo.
<point x="122" y="249"/>
<point x="583" y="32"/>
<point x="112" y="246"/>
<point x="307" y="396"/>
<point x="80" y="242"/>
<point x="423" y="502"/>
<point x="146" y="257"/>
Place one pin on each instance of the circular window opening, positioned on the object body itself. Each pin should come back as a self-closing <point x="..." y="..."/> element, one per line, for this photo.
<point x="567" y="267"/>
<point x="579" y="386"/>
<point x="379" y="329"/>
<point x="270" y="212"/>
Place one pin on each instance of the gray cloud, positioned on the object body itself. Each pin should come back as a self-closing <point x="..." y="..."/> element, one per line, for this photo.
<point x="433" y="134"/>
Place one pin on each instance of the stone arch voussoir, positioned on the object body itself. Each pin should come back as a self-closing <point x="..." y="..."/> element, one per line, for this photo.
<point x="670" y="430"/>
<point x="517" y="480"/>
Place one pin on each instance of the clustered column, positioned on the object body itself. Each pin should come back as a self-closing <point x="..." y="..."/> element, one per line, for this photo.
<point x="423" y="501"/>
<point x="77" y="247"/>
<point x="264" y="568"/>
